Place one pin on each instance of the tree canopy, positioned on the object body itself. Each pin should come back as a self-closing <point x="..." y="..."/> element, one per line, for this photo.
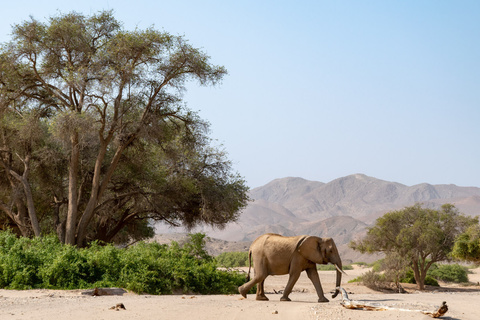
<point x="467" y="245"/>
<point x="422" y="236"/>
<point x="95" y="138"/>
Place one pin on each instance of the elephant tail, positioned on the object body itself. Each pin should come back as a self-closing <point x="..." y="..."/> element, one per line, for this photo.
<point x="249" y="264"/>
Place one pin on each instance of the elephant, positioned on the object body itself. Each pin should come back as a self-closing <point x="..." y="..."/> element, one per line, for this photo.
<point x="274" y="254"/>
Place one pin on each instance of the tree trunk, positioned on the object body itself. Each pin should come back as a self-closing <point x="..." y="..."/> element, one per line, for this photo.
<point x="419" y="275"/>
<point x="72" y="211"/>
<point x="94" y="195"/>
<point x="31" y="207"/>
<point x="23" y="179"/>
<point x="22" y="217"/>
<point x="98" y="188"/>
<point x="18" y="219"/>
<point x="421" y="283"/>
<point x="126" y="218"/>
<point x="59" y="225"/>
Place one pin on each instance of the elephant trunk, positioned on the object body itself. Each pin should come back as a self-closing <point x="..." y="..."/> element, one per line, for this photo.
<point x="338" y="265"/>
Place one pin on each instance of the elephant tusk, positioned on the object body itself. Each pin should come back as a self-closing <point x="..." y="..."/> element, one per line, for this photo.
<point x="340" y="270"/>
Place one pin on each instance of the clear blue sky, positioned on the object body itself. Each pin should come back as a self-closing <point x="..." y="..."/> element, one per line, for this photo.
<point x="324" y="89"/>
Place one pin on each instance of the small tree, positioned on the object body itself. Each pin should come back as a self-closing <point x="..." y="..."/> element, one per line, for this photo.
<point x="467" y="245"/>
<point x="420" y="235"/>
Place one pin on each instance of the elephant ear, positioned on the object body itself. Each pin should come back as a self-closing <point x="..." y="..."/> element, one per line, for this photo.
<point x="310" y="247"/>
<point x="301" y="242"/>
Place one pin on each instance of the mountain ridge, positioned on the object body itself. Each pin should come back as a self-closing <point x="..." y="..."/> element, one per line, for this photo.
<point x="342" y="209"/>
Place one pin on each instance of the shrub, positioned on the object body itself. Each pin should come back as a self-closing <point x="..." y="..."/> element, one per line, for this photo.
<point x="357" y="279"/>
<point x="331" y="267"/>
<point x="232" y="259"/>
<point x="144" y="268"/>
<point x="450" y="273"/>
<point x="379" y="281"/>
<point x="409" y="277"/>
<point x="361" y="264"/>
<point x="429" y="280"/>
<point x="377" y="265"/>
<point x="375" y="281"/>
<point x="443" y="272"/>
<point x="22" y="260"/>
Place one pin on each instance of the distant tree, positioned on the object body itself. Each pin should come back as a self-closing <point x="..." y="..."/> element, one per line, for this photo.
<point x="420" y="235"/>
<point x="96" y="140"/>
<point x="467" y="245"/>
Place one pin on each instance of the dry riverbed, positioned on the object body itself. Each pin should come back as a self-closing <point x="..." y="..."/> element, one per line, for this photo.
<point x="79" y="304"/>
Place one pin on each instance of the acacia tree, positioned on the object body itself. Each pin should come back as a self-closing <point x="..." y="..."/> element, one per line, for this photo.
<point x="420" y="235"/>
<point x="111" y="97"/>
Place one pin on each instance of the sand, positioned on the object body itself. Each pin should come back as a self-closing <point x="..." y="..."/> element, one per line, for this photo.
<point x="79" y="304"/>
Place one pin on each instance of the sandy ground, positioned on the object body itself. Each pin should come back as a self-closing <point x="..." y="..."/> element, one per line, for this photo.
<point x="55" y="304"/>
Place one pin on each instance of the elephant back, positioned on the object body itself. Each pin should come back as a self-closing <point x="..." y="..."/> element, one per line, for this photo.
<point x="271" y="244"/>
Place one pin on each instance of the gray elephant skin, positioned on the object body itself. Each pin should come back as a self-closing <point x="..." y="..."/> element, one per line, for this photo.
<point x="273" y="254"/>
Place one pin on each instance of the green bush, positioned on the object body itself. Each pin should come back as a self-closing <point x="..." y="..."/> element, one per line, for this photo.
<point x="409" y="277"/>
<point x="450" y="273"/>
<point x="22" y="260"/>
<point x="144" y="268"/>
<point x="357" y="279"/>
<point x="375" y="280"/>
<point x="331" y="267"/>
<point x="430" y="281"/>
<point x="377" y="266"/>
<point x="443" y="272"/>
<point x="361" y="264"/>
<point x="232" y="259"/>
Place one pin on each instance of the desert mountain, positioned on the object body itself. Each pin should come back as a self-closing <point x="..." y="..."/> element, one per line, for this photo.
<point x="361" y="197"/>
<point x="341" y="209"/>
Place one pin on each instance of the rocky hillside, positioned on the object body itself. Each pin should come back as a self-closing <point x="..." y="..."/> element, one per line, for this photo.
<point x="341" y="209"/>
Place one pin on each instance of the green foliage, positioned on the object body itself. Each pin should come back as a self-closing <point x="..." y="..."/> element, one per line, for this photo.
<point x="410" y="278"/>
<point x="232" y="259"/>
<point x="195" y="246"/>
<point x="361" y="264"/>
<point x="101" y="106"/>
<point x="443" y="272"/>
<point x="467" y="245"/>
<point x="450" y="273"/>
<point x="379" y="277"/>
<point x="22" y="259"/>
<point x="377" y="265"/>
<point x="431" y="281"/>
<point x="420" y="235"/>
<point x="144" y="268"/>
<point x="357" y="279"/>
<point x="331" y="267"/>
<point x="375" y="281"/>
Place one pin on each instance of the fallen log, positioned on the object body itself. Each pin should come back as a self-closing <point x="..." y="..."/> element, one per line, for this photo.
<point x="352" y="304"/>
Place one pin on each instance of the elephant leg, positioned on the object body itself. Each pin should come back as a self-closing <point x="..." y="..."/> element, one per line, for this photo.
<point x="244" y="289"/>
<point x="261" y="291"/>
<point x="291" y="282"/>
<point x="313" y="276"/>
